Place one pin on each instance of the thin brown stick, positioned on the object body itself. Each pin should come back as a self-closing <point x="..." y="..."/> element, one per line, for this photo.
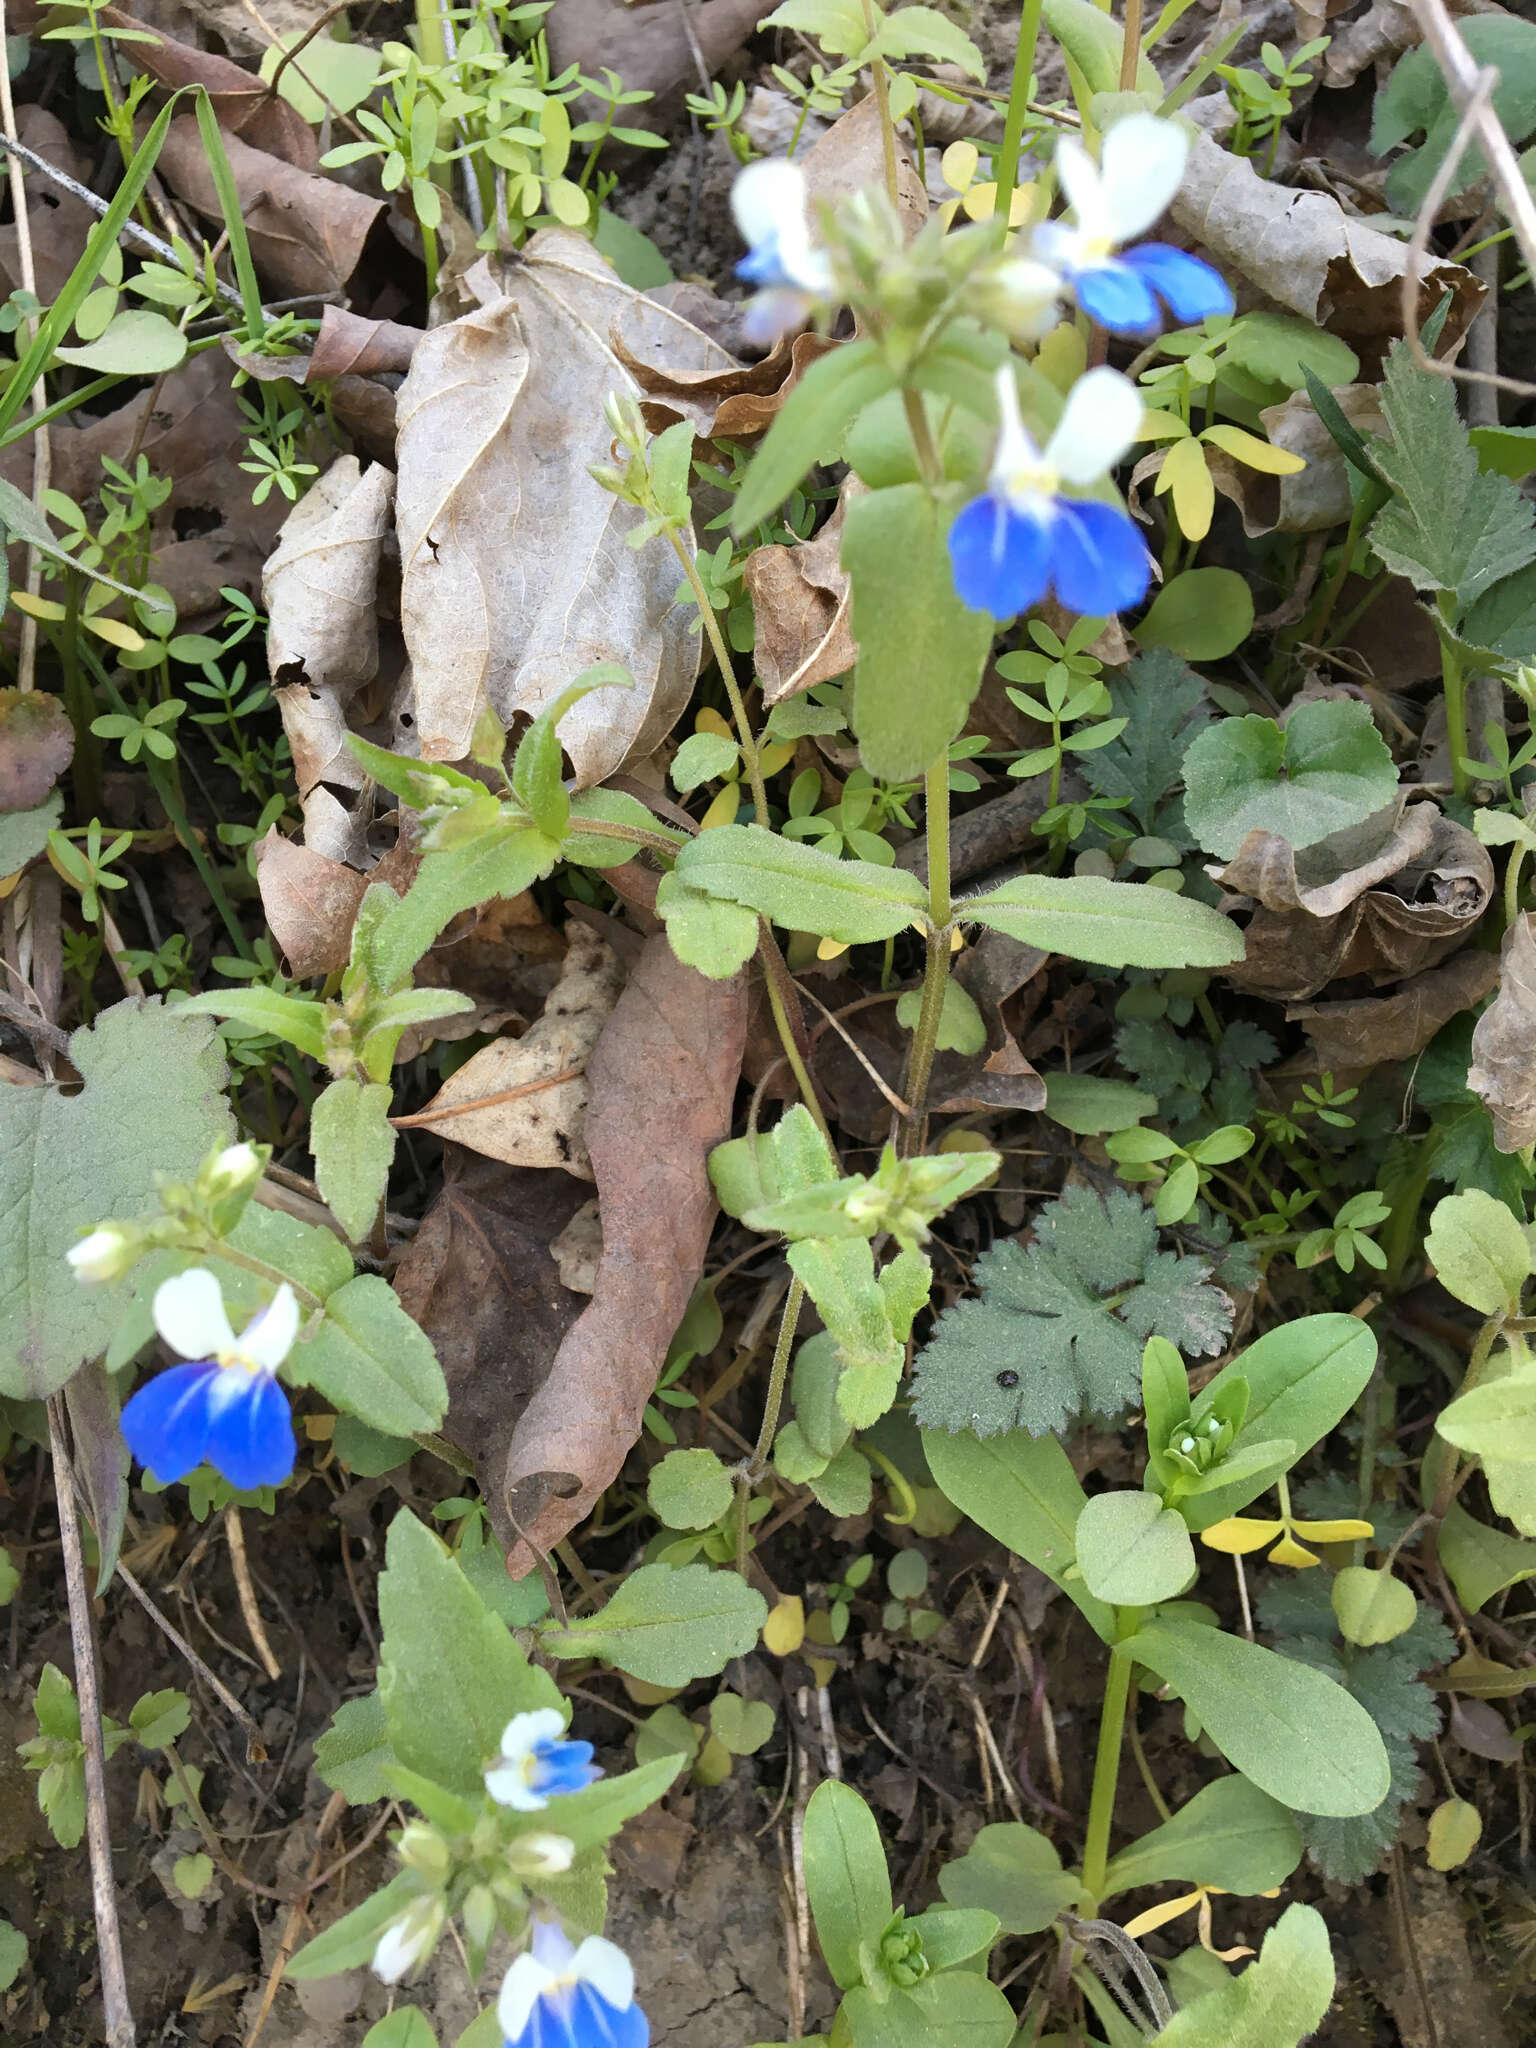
<point x="42" y="461"/>
<point x="120" y="2032"/>
<point x="173" y="1634"/>
<point x="435" y="1116"/>
<point x="234" y="1530"/>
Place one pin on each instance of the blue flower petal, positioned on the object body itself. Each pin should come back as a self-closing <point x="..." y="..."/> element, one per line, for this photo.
<point x="1118" y="297"/>
<point x="763" y="264"/>
<point x="250" y="1437"/>
<point x="1000" y="557"/>
<point x="1099" y="561"/>
<point x="594" y="2023"/>
<point x="1192" y="290"/>
<point x="564" y="1767"/>
<point x="166" y="1423"/>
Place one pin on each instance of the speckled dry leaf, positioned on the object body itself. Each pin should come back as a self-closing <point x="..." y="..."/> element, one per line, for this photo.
<point x="1351" y="1037"/>
<point x="1386" y="28"/>
<point x="1306" y="253"/>
<point x="850" y="158"/>
<point x="37" y="743"/>
<point x="307" y="231"/>
<point x="697" y="395"/>
<point x="800" y="601"/>
<point x="515" y="571"/>
<point x="321" y="585"/>
<point x="662" y="1078"/>
<point x="579" y="1249"/>
<point x="1390" y="916"/>
<point x="1503" y="1069"/>
<point x="545" y="1128"/>
<point x="317" y="736"/>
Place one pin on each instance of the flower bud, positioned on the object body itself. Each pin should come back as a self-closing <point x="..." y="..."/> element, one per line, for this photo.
<point x="235" y="1166"/>
<point x="408" y="1939"/>
<point x="479" y="1912"/>
<point x="542" y="1855"/>
<point x="422" y="1848"/>
<point x="105" y="1255"/>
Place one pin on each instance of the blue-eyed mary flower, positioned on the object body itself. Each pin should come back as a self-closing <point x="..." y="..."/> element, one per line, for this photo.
<point x="1022" y="538"/>
<point x="557" y="1996"/>
<point x="537" y="1764"/>
<point x="793" y="277"/>
<point x="1118" y="198"/>
<point x="225" y="1405"/>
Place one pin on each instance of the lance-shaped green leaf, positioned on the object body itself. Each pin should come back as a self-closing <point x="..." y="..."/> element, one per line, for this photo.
<point x="1011" y="1870"/>
<point x="921" y="651"/>
<point x="298" y="1020"/>
<point x="1296" y="1733"/>
<point x="387" y="1022"/>
<point x="852" y="901"/>
<point x="667" y="1625"/>
<point x="1480" y="1561"/>
<point x="536" y="767"/>
<point x="349" y="1943"/>
<point x="845" y="1877"/>
<point x="809" y="426"/>
<point x="367" y="1356"/>
<point x="501" y="861"/>
<point x="706" y="932"/>
<point x="1115" y="924"/>
<point x="610" y="807"/>
<point x="353" y="1142"/>
<point x="424" y="785"/>
<point x="1230" y="1835"/>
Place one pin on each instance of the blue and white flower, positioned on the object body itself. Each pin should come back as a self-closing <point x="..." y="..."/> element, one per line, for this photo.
<point x="226" y="1405"/>
<point x="1021" y="538"/>
<point x="769" y="200"/>
<point x="408" y="1939"/>
<point x="537" y="1764"/>
<point x="557" y="1996"/>
<point x="1115" y="200"/>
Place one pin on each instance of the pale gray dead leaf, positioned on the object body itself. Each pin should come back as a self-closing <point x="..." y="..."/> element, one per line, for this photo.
<point x="1503" y="1069"/>
<point x="321" y="584"/>
<point x="1313" y="499"/>
<point x="543" y="1128"/>
<point x="1306" y="253"/>
<point x="515" y="571"/>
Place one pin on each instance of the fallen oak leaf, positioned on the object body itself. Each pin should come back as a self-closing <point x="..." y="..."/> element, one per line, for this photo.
<point x="349" y="345"/>
<point x="321" y="583"/>
<point x="661" y="1081"/>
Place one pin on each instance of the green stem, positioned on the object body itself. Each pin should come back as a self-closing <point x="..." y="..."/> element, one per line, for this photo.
<point x="883" y="102"/>
<point x="1018" y="101"/>
<point x="1455" y="713"/>
<point x="429" y="256"/>
<point x="928" y="460"/>
<point x="1106" y="1772"/>
<point x="772" y="1405"/>
<point x="936" y="969"/>
<point x="749" y="749"/>
<point x="1512" y="885"/>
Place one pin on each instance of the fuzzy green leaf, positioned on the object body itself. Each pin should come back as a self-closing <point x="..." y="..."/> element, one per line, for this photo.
<point x="1230" y="1834"/>
<point x="1013" y="1871"/>
<point x="353" y="1143"/>
<point x="805" y="890"/>
<point x="1275" y="2003"/>
<point x="368" y="1357"/>
<point x="666" y="1626"/>
<point x="846" y="1877"/>
<point x="1328" y="769"/>
<point x="1115" y="924"/>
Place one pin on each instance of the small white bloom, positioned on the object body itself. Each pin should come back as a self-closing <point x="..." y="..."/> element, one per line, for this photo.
<point x="510" y="1783"/>
<point x="542" y="1855"/>
<point x="1098" y="424"/>
<point x="190" y="1316"/>
<point x="1140" y="170"/>
<point x="408" y="1940"/>
<point x="105" y="1255"/>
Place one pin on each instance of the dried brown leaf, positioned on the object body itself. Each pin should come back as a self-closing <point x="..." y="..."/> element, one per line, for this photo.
<point x="1390" y="914"/>
<point x="480" y="1279"/>
<point x="246" y="107"/>
<point x="545" y="1128"/>
<point x="1306" y="253"/>
<point x="662" y="1080"/>
<point x="320" y="587"/>
<point x="37" y="743"/>
<point x="656" y="48"/>
<point x="801" y="603"/>
<point x="347" y="344"/>
<point x="850" y="158"/>
<point x="515" y="570"/>
<point x="1352" y="1037"/>
<point x="310" y="902"/>
<point x="60" y="222"/>
<point x="306" y="232"/>
<point x="1503" y="1069"/>
<point x="1315" y="498"/>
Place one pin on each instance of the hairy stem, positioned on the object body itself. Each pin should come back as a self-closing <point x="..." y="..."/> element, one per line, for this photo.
<point x="936" y="970"/>
<point x="1130" y="45"/>
<point x="882" y="78"/>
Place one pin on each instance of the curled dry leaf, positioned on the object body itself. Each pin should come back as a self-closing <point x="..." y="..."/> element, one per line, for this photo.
<point x="310" y="902"/>
<point x="662" y="1080"/>
<point x="349" y="345"/>
<point x="321" y="585"/>
<point x="481" y="1280"/>
<point x="515" y="572"/>
<point x="801" y="603"/>
<point x="1385" y="28"/>
<point x="991" y="972"/>
<point x="245" y="105"/>
<point x="729" y="399"/>
<point x="306" y="231"/>
<point x="1503" y="1069"/>
<point x="1352" y="1037"/>
<point x="1357" y="903"/>
<point x="1315" y="498"/>
<point x="1305" y="252"/>
<point x="37" y="743"/>
<point x="543" y="1128"/>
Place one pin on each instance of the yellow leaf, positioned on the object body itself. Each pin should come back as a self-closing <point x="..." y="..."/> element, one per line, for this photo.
<point x="1237" y="1535"/>
<point x="958" y="165"/>
<point x="1454" y="1830"/>
<point x="784" y="1630"/>
<point x="1296" y="1555"/>
<point x="1344" y="1531"/>
<point x="776" y="756"/>
<point x="116" y="634"/>
<point x="710" y="720"/>
<point x="1159" y="1916"/>
<point x="319" y="1429"/>
<point x="830" y="949"/>
<point x="823" y="1671"/>
<point x="1158" y="425"/>
<point x="722" y="811"/>
<point x="38" y="607"/>
<point x="1062" y="357"/>
<point x="712" y="1765"/>
<point x="1186" y="477"/>
<point x="644" y="1694"/>
<point x="1257" y="454"/>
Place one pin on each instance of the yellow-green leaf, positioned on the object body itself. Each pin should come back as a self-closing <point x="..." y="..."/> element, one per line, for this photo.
<point x="1185" y="477"/>
<point x="1254" y="453"/>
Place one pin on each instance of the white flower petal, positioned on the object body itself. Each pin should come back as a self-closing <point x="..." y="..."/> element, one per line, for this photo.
<point x="543" y="1724"/>
<point x="508" y="1786"/>
<point x="1015" y="451"/>
<point x="522" y="1988"/>
<point x="96" y="1257"/>
<point x="607" y="1969"/>
<point x="394" y="1954"/>
<point x="189" y="1314"/>
<point x="1143" y="166"/>
<point x="769" y="198"/>
<point x="268" y="1337"/>
<point x="1100" y="422"/>
<point x="237" y="1162"/>
<point x="1084" y="189"/>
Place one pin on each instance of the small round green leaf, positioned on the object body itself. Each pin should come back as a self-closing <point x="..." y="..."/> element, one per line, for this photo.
<point x="1372" y="1606"/>
<point x="192" y="1875"/>
<point x="1133" y="1552"/>
<point x="907" y="1575"/>
<point x="1204" y="615"/>
<point x="1455" y="1828"/>
<point x="689" y="1490"/>
<point x="742" y="1725"/>
<point x="138" y="343"/>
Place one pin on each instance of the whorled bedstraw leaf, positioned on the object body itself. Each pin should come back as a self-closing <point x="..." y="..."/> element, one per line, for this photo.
<point x="666" y="1625"/>
<point x="1450" y="525"/>
<point x="1058" y="1328"/>
<point x="1327" y="770"/>
<point x="69" y="1162"/>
